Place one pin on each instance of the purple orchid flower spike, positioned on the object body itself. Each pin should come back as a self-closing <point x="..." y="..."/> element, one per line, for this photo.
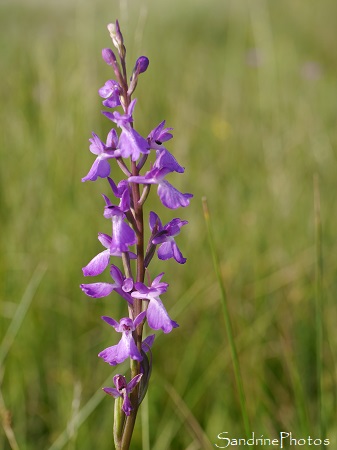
<point x="169" y="195"/>
<point x="159" y="135"/>
<point x="131" y="143"/>
<point x="165" y="237"/>
<point x="101" y="167"/>
<point x="123" y="389"/>
<point x="122" y="234"/>
<point x="111" y="93"/>
<point x="126" y="348"/>
<point x="123" y="286"/>
<point x="100" y="262"/>
<point x="126" y="213"/>
<point x="157" y="316"/>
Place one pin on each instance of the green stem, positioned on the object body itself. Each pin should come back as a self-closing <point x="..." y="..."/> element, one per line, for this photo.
<point x="119" y="419"/>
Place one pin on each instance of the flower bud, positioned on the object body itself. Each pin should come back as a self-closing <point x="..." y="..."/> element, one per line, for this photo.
<point x="142" y="64"/>
<point x="117" y="38"/>
<point x="109" y="56"/>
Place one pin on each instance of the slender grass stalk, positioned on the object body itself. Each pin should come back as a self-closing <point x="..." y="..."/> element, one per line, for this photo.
<point x="228" y="324"/>
<point x="80" y="417"/>
<point x="187" y="416"/>
<point x="6" y="424"/>
<point x="300" y="399"/>
<point x="319" y="303"/>
<point x="8" y="340"/>
<point x="21" y="312"/>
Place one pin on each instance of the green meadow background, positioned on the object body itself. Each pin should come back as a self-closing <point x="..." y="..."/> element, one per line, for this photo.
<point x="250" y="90"/>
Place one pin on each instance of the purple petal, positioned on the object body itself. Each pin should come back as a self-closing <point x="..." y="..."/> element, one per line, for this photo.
<point x="157" y="283"/>
<point x="118" y="353"/>
<point x="132" y="106"/>
<point x="110" y="92"/>
<point x="97" y="290"/>
<point x="112" y="139"/>
<point x="125" y="201"/>
<point x="141" y="291"/>
<point x="139" y="319"/>
<point x="165" y="251"/>
<point x="120" y="382"/>
<point x="96" y="145"/>
<point x="100" y="168"/>
<point x="126" y="325"/>
<point x="110" y="321"/>
<point x="104" y="239"/>
<point x="147" y="343"/>
<point x="112" y="391"/>
<point x="118" y="252"/>
<point x="142" y="180"/>
<point x="117" y="275"/>
<point x="110" y="115"/>
<point x="97" y="265"/>
<point x="171" y="197"/>
<point x="177" y="255"/>
<point x="155" y="133"/>
<point x="127" y="407"/>
<point x="113" y="186"/>
<point x="125" y="295"/>
<point x="158" y="318"/>
<point x="132" y="384"/>
<point x="127" y="285"/>
<point x="154" y="220"/>
<point x="159" y="135"/>
<point x="174" y="226"/>
<point x="132" y="144"/>
<point x="166" y="160"/>
<point x="161" y="236"/>
<point x="107" y="201"/>
<point x="113" y="356"/>
<point x="123" y="235"/>
<point x="111" y="102"/>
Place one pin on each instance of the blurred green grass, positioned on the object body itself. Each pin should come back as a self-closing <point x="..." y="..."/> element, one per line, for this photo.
<point x="249" y="88"/>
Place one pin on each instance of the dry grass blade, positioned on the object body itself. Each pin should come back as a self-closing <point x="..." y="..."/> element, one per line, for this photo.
<point x="6" y="424"/>
<point x="188" y="417"/>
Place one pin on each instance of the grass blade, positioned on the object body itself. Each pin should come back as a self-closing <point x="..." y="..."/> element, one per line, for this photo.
<point x="78" y="419"/>
<point x="20" y="312"/>
<point x="319" y="303"/>
<point x="228" y="324"/>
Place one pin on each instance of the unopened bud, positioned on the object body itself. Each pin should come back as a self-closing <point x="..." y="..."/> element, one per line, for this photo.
<point x="116" y="35"/>
<point x="142" y="64"/>
<point x="109" y="56"/>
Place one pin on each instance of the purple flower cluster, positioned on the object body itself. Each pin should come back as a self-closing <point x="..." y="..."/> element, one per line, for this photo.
<point x="131" y="151"/>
